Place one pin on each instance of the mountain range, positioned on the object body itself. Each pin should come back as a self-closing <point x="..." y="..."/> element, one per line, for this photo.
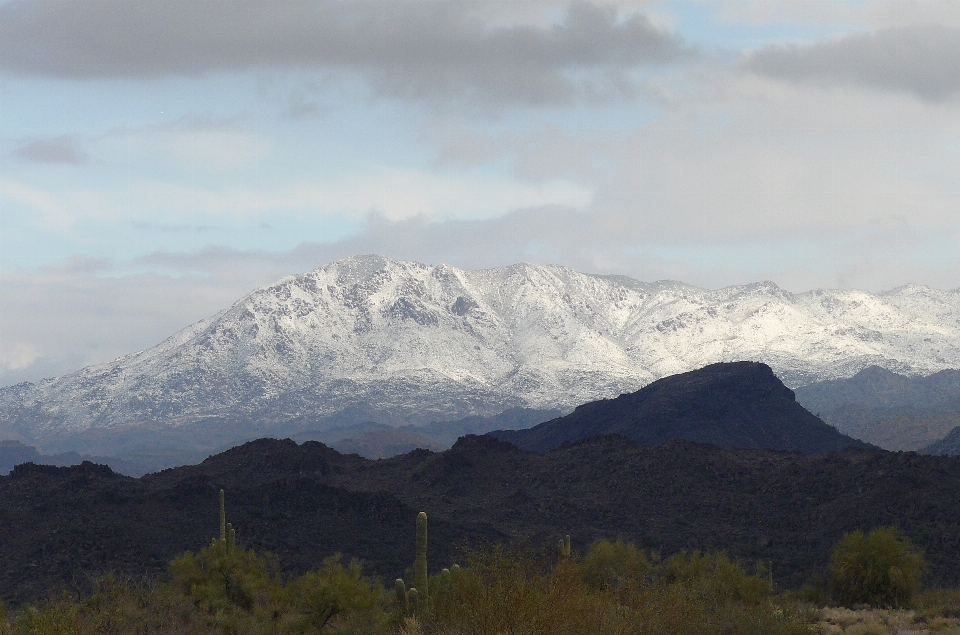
<point x="890" y="410"/>
<point x="402" y="343"/>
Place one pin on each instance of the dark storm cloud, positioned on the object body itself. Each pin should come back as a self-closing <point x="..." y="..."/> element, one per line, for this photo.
<point x="404" y="48"/>
<point x="55" y="150"/>
<point x="924" y="60"/>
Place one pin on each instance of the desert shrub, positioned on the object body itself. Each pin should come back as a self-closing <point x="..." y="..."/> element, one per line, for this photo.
<point x="496" y="592"/>
<point x="332" y="590"/>
<point x="221" y="580"/>
<point x="57" y="618"/>
<point x="691" y="594"/>
<point x="814" y="592"/>
<point x="880" y="569"/>
<point x="717" y="579"/>
<point x="934" y="603"/>
<point x="615" y="566"/>
<point x="218" y="593"/>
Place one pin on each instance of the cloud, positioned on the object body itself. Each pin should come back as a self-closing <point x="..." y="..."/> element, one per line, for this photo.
<point x="878" y="258"/>
<point x="395" y="193"/>
<point x="923" y="60"/>
<point x="872" y="14"/>
<point x="16" y="356"/>
<point x="193" y="148"/>
<point x="403" y="48"/>
<point x="55" y="150"/>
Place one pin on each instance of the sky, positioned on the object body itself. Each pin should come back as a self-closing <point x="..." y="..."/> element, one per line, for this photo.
<point x="159" y="160"/>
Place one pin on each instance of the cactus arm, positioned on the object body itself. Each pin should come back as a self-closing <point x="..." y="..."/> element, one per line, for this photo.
<point x="401" y="592"/>
<point x="223" y="520"/>
<point x="420" y="563"/>
<point x="413" y="601"/>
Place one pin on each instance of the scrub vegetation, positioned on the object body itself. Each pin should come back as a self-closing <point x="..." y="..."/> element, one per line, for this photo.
<point x="612" y="588"/>
<point x="216" y="591"/>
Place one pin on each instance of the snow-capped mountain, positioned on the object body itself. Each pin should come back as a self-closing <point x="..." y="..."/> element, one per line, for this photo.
<point x="371" y="338"/>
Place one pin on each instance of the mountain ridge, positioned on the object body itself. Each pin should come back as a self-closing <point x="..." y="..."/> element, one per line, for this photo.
<point x="373" y="339"/>
<point x="64" y="526"/>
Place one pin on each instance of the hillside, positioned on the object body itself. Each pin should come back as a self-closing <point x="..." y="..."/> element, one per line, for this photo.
<point x="948" y="445"/>
<point x="887" y="409"/>
<point x="400" y="343"/>
<point x="61" y="525"/>
<point x="732" y="405"/>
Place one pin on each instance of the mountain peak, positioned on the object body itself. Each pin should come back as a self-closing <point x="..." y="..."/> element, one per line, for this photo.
<point x="734" y="405"/>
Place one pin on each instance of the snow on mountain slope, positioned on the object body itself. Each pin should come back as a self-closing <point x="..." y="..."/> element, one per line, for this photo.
<point x="372" y="338"/>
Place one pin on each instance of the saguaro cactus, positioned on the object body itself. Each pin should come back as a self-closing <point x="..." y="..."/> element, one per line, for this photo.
<point x="420" y="562"/>
<point x="413" y="601"/>
<point x="563" y="547"/>
<point x="401" y="591"/>
<point x="223" y="520"/>
<point x="231" y="537"/>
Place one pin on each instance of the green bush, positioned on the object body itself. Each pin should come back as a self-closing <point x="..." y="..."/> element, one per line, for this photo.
<point x="880" y="569"/>
<point x="615" y="566"/>
<point x="717" y="579"/>
<point x="319" y="596"/>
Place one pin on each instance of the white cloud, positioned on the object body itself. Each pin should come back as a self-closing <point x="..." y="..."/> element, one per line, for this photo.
<point x="393" y="192"/>
<point x="16" y="355"/>
<point x="48" y="208"/>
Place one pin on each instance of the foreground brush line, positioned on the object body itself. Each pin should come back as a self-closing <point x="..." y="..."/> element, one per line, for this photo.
<point x="616" y="588"/>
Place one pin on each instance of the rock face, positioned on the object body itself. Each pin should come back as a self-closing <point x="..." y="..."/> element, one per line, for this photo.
<point x="732" y="405"/>
<point x="369" y="338"/>
<point x="893" y="411"/>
